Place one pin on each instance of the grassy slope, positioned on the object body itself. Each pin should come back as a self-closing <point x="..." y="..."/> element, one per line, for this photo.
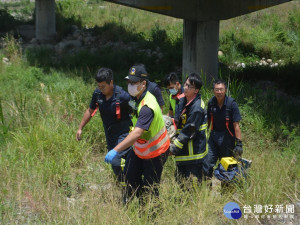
<point x="48" y="177"/>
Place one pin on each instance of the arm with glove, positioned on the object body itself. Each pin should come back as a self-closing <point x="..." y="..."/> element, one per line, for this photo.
<point x="126" y="143"/>
<point x="238" y="149"/>
<point x="187" y="132"/>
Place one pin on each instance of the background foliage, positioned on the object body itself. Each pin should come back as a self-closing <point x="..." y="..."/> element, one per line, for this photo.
<point x="47" y="177"/>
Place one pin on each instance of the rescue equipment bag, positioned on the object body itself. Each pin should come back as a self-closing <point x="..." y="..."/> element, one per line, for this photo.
<point x="233" y="170"/>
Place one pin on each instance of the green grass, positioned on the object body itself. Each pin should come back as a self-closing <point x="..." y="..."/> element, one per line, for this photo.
<point x="47" y="177"/>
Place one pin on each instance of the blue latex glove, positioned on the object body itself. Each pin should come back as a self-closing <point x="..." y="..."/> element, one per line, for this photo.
<point x="110" y="156"/>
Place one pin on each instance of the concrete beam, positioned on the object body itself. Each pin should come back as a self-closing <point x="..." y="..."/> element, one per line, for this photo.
<point x="200" y="10"/>
<point x="200" y="48"/>
<point x="45" y="20"/>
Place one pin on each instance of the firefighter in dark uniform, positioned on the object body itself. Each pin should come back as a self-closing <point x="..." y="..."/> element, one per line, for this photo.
<point x="112" y="102"/>
<point x="190" y="146"/>
<point x="223" y="120"/>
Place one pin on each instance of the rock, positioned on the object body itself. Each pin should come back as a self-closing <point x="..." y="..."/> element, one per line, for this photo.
<point x="269" y="61"/>
<point x="6" y="61"/>
<point x="93" y="50"/>
<point x="160" y="55"/>
<point x="133" y="45"/>
<point x="220" y="53"/>
<point x="26" y="31"/>
<point x="71" y="200"/>
<point x="148" y="52"/>
<point x="74" y="27"/>
<point x="76" y="34"/>
<point x="94" y="187"/>
<point x="88" y="40"/>
<point x="34" y="41"/>
<point x="69" y="44"/>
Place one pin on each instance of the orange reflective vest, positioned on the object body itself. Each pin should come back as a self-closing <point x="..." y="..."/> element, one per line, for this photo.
<point x="155" y="141"/>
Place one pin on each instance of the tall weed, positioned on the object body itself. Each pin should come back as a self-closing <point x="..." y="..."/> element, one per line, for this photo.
<point x="12" y="49"/>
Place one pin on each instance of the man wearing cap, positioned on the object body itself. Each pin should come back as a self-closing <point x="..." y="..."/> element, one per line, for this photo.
<point x="152" y="87"/>
<point x="149" y="138"/>
<point x="112" y="102"/>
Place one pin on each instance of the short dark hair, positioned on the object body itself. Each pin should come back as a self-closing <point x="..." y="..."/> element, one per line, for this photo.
<point x="104" y="74"/>
<point x="219" y="81"/>
<point x="195" y="80"/>
<point x="171" y="78"/>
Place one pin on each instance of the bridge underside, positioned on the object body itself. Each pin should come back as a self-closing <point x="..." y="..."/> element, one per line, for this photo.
<point x="201" y="26"/>
<point x="200" y="10"/>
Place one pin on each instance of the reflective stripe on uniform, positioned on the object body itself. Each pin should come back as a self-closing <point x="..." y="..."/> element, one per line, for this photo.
<point x="153" y="144"/>
<point x="178" y="144"/>
<point x="203" y="127"/>
<point x="157" y="149"/>
<point x="153" y="139"/>
<point x="191" y="157"/>
<point x="202" y="104"/>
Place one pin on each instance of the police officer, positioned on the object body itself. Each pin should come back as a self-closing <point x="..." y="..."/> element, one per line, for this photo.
<point x="112" y="102"/>
<point x="176" y="92"/>
<point x="190" y="145"/>
<point x="223" y="119"/>
<point x="152" y="87"/>
<point x="149" y="137"/>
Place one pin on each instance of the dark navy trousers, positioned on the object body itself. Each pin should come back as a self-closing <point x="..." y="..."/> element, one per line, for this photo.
<point x="143" y="174"/>
<point x="220" y="144"/>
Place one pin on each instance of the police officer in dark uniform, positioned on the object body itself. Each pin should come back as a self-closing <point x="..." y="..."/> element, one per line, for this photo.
<point x="190" y="146"/>
<point x="112" y="102"/>
<point x="223" y="119"/>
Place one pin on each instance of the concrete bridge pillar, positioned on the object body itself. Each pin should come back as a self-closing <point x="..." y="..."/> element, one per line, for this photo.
<point x="200" y="48"/>
<point x="45" y="20"/>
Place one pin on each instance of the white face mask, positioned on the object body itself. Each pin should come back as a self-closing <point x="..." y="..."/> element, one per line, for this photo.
<point x="132" y="89"/>
<point x="173" y="91"/>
